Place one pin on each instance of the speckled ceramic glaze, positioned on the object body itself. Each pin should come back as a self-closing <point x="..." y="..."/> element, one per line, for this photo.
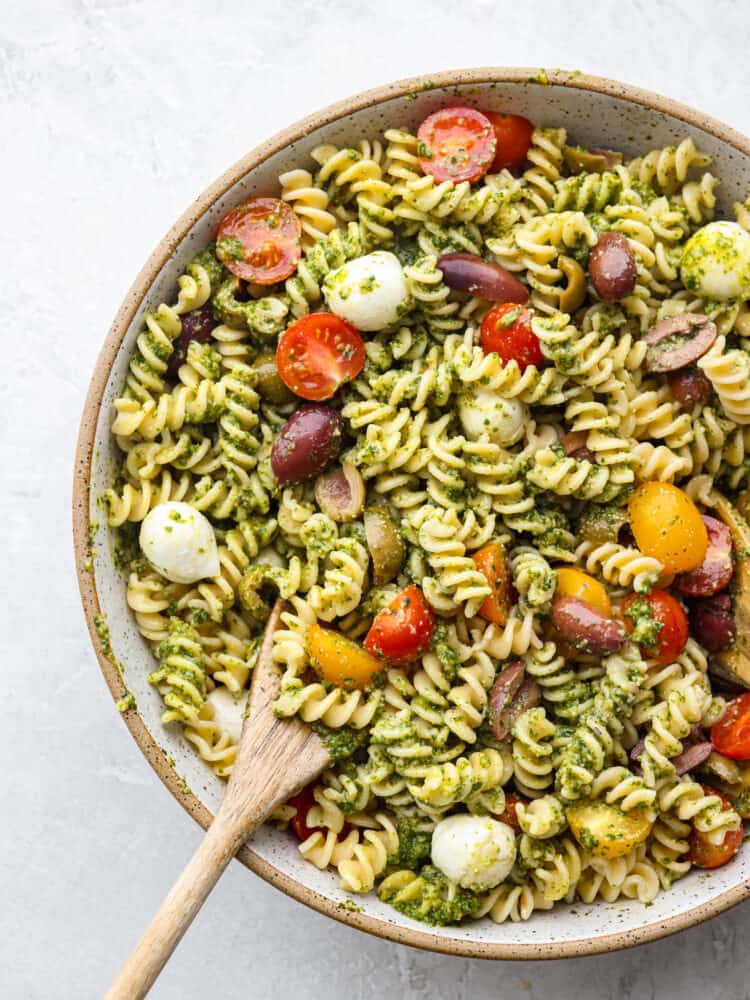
<point x="595" y="112"/>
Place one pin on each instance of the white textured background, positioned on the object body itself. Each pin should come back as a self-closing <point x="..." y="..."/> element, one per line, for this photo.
<point x="113" y="116"/>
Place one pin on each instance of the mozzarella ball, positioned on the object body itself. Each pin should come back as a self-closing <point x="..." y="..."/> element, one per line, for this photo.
<point x="482" y="411"/>
<point x="179" y="542"/>
<point x="228" y="711"/>
<point x="716" y="262"/>
<point x="475" y="851"/>
<point x="369" y="292"/>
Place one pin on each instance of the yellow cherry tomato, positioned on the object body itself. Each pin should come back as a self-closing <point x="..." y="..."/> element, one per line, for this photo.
<point x="605" y="830"/>
<point x="338" y="660"/>
<point x="575" y="583"/>
<point x="668" y="526"/>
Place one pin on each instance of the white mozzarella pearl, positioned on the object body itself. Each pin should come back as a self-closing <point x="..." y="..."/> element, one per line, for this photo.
<point x="484" y="412"/>
<point x="716" y="262"/>
<point x="369" y="292"/>
<point x="475" y="851"/>
<point x="179" y="542"/>
<point x="228" y="711"/>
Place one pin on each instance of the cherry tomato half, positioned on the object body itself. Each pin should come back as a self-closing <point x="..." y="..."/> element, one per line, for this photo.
<point x="259" y="240"/>
<point x="573" y="582"/>
<point x="490" y="561"/>
<point x="668" y="526"/>
<point x="456" y="144"/>
<point x="508" y="815"/>
<point x="703" y="853"/>
<point x="506" y="331"/>
<point x="338" y="660"/>
<point x="402" y="631"/>
<point x="717" y="568"/>
<point x="317" y="354"/>
<point x="663" y="619"/>
<point x="303" y="802"/>
<point x="513" y="135"/>
<point x="731" y="734"/>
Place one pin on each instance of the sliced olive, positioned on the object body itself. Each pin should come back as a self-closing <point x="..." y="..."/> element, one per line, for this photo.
<point x="602" y="524"/>
<point x="385" y="544"/>
<point x="270" y="385"/>
<point x="341" y="493"/>
<point x="590" y="161"/>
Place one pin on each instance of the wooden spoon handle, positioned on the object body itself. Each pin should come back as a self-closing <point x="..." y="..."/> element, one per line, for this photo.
<point x="178" y="910"/>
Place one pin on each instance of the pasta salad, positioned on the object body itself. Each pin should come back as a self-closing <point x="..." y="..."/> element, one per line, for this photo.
<point x="469" y="402"/>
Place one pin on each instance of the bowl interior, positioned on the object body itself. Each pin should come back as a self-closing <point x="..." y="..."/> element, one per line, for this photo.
<point x="606" y="117"/>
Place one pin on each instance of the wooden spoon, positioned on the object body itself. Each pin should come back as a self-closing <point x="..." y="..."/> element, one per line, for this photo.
<point x="733" y="664"/>
<point x="275" y="758"/>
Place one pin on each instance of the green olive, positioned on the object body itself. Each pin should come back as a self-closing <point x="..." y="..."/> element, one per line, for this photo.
<point x="602" y="524"/>
<point x="270" y="385"/>
<point x="385" y="544"/>
<point x="589" y="161"/>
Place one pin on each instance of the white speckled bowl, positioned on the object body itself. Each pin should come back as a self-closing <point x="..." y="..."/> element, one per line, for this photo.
<point x="595" y="112"/>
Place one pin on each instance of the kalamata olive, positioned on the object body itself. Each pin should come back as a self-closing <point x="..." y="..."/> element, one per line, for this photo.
<point x="269" y="384"/>
<point x="465" y="272"/>
<point x="341" y="493"/>
<point x="385" y="544"/>
<point x="501" y="697"/>
<point x="308" y="442"/>
<point x="717" y="568"/>
<point x="602" y="524"/>
<point x="678" y="341"/>
<point x="690" y="386"/>
<point x="612" y="267"/>
<point x="584" y="627"/>
<point x="590" y="161"/>
<point x="712" y="623"/>
<point x="693" y="756"/>
<point x="574" y="443"/>
<point x="196" y="325"/>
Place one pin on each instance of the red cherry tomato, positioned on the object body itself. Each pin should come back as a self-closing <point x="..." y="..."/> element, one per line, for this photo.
<point x="318" y="353"/>
<point x="259" y="240"/>
<point x="717" y="568"/>
<point x="303" y="802"/>
<point x="508" y="815"/>
<point x="703" y="853"/>
<point x="506" y="330"/>
<point x="402" y="631"/>
<point x="456" y="144"/>
<point x="513" y="134"/>
<point x="668" y="613"/>
<point x="731" y="734"/>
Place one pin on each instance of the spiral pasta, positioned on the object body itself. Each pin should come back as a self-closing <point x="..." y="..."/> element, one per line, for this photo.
<point x="485" y="444"/>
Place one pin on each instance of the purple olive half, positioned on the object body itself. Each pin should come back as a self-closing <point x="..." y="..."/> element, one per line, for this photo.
<point x="308" y="443"/>
<point x="465" y="272"/>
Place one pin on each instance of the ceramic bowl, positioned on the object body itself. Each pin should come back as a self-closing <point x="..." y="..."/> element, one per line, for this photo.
<point x="596" y="112"/>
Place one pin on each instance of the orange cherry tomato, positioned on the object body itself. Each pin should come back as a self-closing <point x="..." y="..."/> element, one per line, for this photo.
<point x="402" y="631"/>
<point x="513" y="134"/>
<point x="731" y="734"/>
<point x="338" y="660"/>
<point x="456" y="144"/>
<point x="259" y="240"/>
<point x="319" y="353"/>
<point x="668" y="526"/>
<point x="573" y="582"/>
<point x="490" y="561"/>
<point x="669" y="618"/>
<point x="506" y="331"/>
<point x="703" y="853"/>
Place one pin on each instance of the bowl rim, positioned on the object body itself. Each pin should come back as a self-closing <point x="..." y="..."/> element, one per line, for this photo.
<point x="84" y="456"/>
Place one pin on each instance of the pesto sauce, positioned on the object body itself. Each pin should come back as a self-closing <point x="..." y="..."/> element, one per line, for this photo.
<point x="341" y="743"/>
<point x="439" y="903"/>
